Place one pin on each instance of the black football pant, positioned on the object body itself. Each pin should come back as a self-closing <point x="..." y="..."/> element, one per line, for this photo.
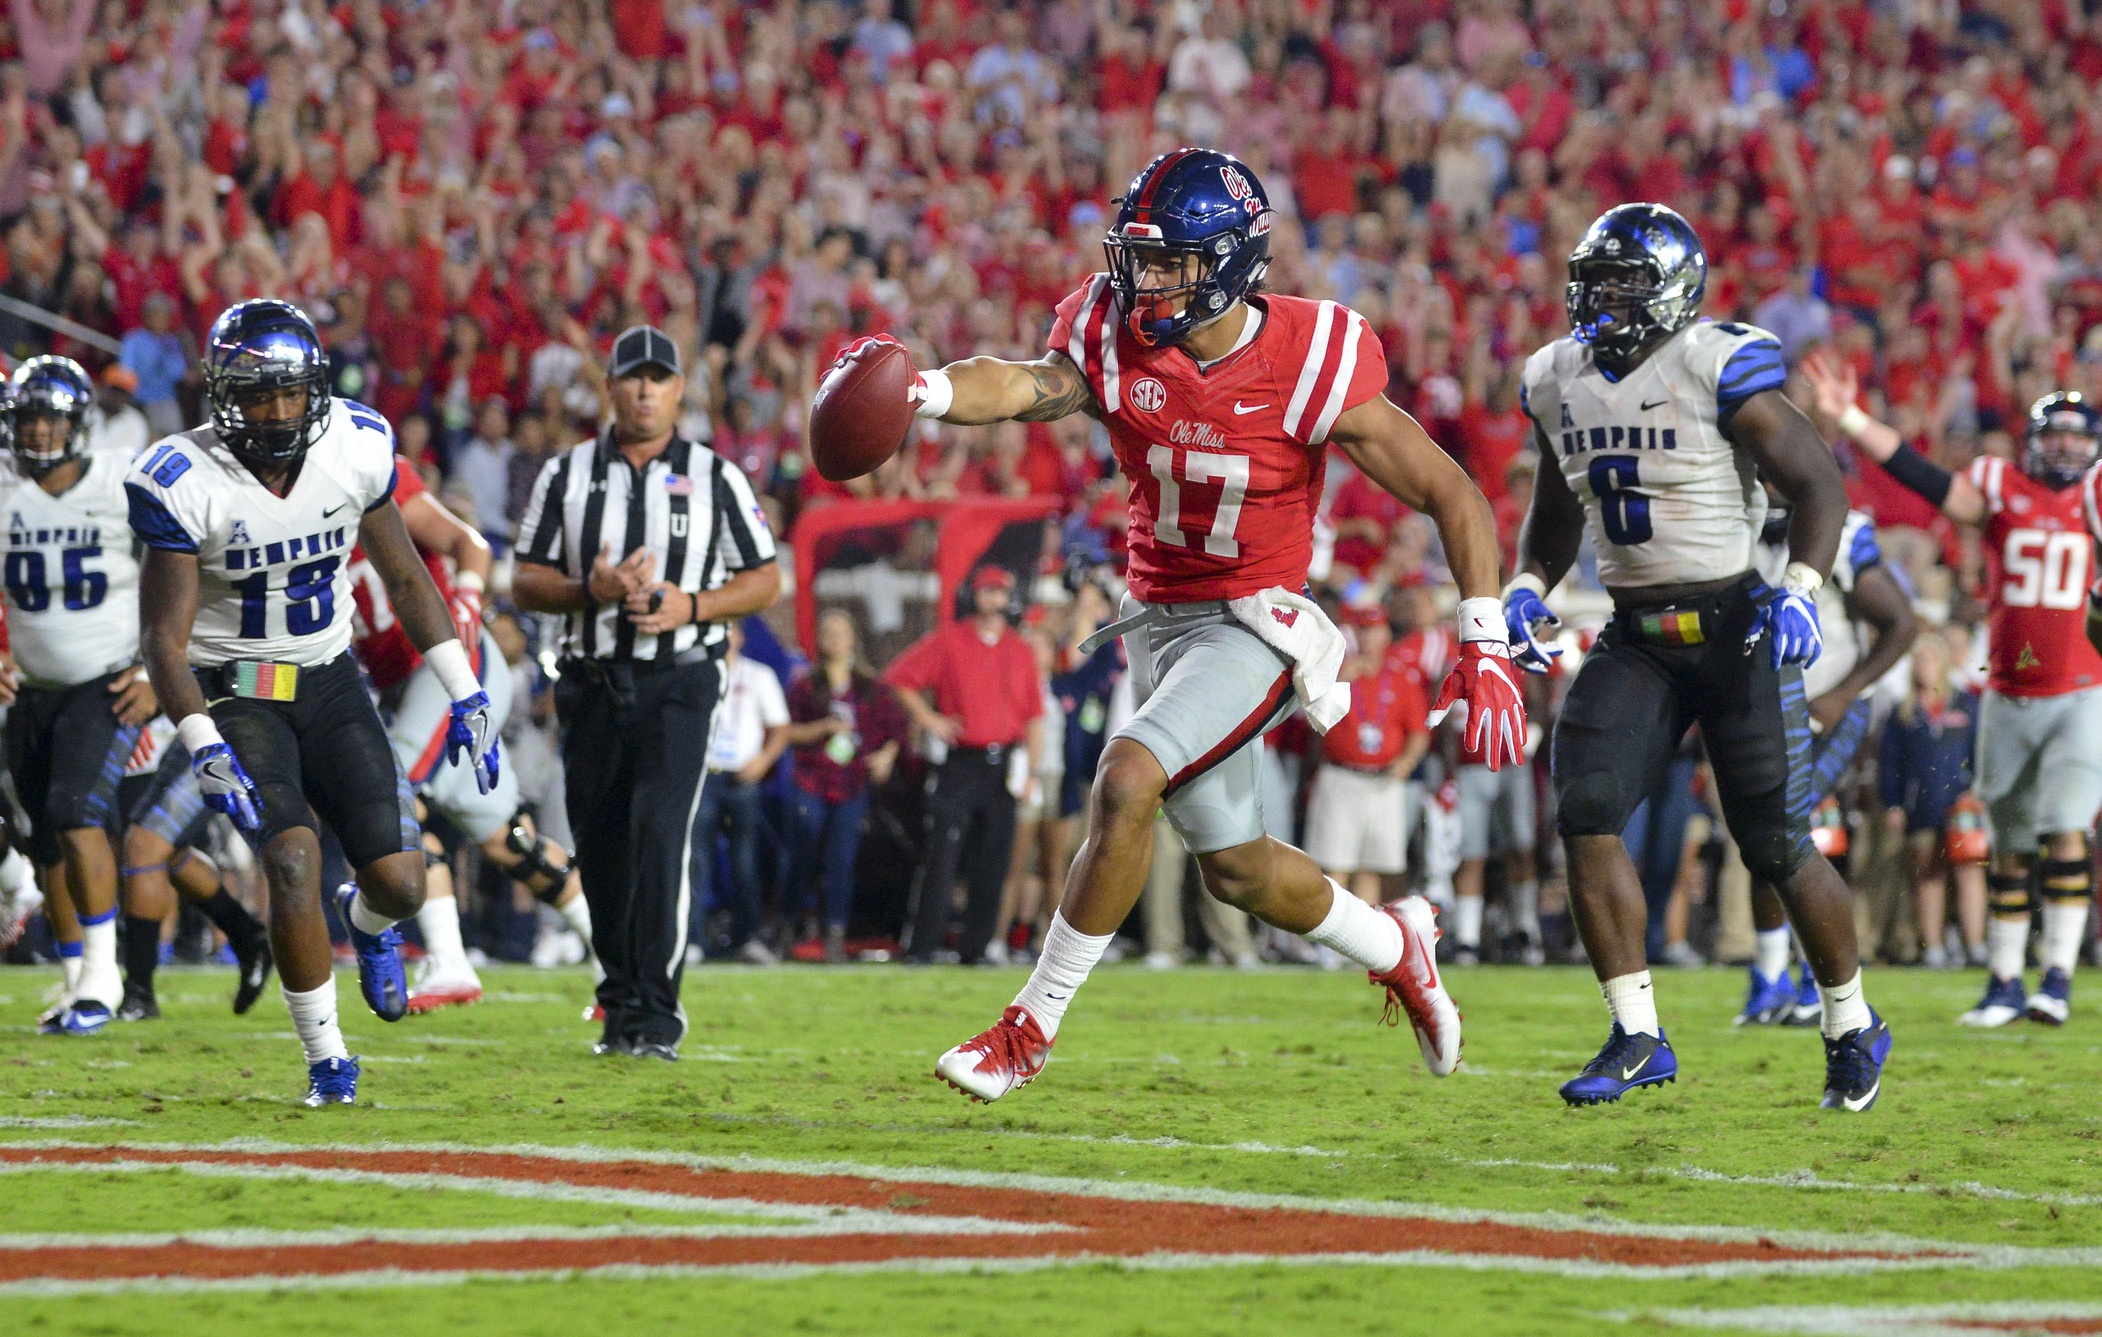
<point x="971" y="830"/>
<point x="634" y="754"/>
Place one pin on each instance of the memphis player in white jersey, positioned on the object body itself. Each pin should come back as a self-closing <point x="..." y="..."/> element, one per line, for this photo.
<point x="1661" y="425"/>
<point x="249" y="523"/>
<point x="1868" y="626"/>
<point x="77" y="696"/>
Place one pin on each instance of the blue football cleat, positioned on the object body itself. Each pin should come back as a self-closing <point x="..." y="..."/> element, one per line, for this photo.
<point x="82" y="1016"/>
<point x="332" y="1081"/>
<point x="1627" y="1061"/>
<point x="380" y="975"/>
<point x="2052" y="1003"/>
<point x="1809" y="1009"/>
<point x="1767" y="1001"/>
<point x="2004" y="1001"/>
<point x="1854" y="1066"/>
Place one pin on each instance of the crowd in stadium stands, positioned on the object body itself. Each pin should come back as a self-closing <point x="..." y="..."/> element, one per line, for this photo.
<point x="472" y="196"/>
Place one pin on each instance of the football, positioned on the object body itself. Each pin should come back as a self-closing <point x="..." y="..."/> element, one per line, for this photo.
<point x="860" y="414"/>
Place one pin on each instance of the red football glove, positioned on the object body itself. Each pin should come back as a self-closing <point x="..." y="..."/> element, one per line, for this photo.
<point x="1495" y="729"/>
<point x="467" y="624"/>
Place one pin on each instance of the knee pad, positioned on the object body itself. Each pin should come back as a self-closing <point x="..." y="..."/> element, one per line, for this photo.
<point x="1590" y="805"/>
<point x="2007" y="894"/>
<point x="534" y="870"/>
<point x="433" y="851"/>
<point x="2067" y="879"/>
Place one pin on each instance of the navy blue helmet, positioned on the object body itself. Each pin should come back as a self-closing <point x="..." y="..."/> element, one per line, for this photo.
<point x="1201" y="215"/>
<point x="53" y="388"/>
<point x="1637" y="276"/>
<point x="2063" y="440"/>
<point x="257" y="351"/>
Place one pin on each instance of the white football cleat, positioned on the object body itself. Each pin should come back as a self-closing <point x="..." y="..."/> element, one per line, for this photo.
<point x="2004" y="1002"/>
<point x="989" y="1065"/>
<point x="434" y="991"/>
<point x="1413" y="987"/>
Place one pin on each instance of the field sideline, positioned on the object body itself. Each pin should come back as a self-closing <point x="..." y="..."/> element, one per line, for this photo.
<point x="1208" y="1152"/>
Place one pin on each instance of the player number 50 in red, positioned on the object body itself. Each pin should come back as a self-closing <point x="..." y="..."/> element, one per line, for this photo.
<point x="2045" y="569"/>
<point x="1200" y="468"/>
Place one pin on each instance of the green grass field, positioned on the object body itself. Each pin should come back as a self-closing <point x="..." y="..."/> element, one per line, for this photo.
<point x="1276" y="1083"/>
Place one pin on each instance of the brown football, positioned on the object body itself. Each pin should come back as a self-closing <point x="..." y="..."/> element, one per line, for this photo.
<point x="861" y="414"/>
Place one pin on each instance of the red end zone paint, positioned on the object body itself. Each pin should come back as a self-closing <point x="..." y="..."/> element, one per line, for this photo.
<point x="1094" y="1226"/>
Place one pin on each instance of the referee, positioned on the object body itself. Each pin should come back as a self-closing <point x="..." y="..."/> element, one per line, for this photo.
<point x="651" y="545"/>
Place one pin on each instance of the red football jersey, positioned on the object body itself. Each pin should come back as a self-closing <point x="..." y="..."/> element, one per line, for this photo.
<point x="1385" y="708"/>
<point x="377" y="637"/>
<point x="1225" y="462"/>
<point x="2039" y="557"/>
<point x="1426" y="654"/>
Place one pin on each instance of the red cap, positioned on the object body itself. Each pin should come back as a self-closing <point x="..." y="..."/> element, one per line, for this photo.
<point x="992" y="577"/>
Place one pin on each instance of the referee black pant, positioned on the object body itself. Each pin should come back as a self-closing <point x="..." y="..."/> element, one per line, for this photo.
<point x="971" y="830"/>
<point x="634" y="753"/>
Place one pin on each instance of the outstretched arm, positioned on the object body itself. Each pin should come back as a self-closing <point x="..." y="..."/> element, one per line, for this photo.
<point x="1395" y="452"/>
<point x="1837" y="388"/>
<point x="987" y="389"/>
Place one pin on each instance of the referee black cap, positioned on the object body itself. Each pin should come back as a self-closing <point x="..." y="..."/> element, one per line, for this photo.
<point x="640" y="346"/>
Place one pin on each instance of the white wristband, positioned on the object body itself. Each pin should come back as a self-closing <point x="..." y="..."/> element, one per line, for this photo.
<point x="448" y="659"/>
<point x="937" y="393"/>
<point x="1853" y="422"/>
<point x="1526" y="580"/>
<point x="197" y="732"/>
<point x="1802" y="576"/>
<point x="471" y="581"/>
<point x="1483" y="620"/>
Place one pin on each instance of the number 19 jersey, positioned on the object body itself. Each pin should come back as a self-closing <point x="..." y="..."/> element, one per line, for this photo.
<point x="72" y="574"/>
<point x="1668" y="498"/>
<point x="2037" y="564"/>
<point x="272" y="572"/>
<point x="1226" y="462"/>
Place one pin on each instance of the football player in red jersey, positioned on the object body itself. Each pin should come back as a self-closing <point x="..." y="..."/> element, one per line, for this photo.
<point x="1220" y="403"/>
<point x="2040" y="723"/>
<point x="416" y="721"/>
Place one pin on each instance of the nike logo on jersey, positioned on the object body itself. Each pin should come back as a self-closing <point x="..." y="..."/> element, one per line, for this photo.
<point x="1647" y="406"/>
<point x="1239" y="408"/>
<point x="333" y="509"/>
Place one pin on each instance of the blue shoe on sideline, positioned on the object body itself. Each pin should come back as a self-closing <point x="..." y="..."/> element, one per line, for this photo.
<point x="1854" y="1066"/>
<point x="332" y="1081"/>
<point x="381" y="977"/>
<point x="1767" y="1001"/>
<point x="1627" y="1061"/>
<point x="1809" y="1009"/>
<point x="83" y="1016"/>
<point x="2052" y="1003"/>
<point x="2004" y="1002"/>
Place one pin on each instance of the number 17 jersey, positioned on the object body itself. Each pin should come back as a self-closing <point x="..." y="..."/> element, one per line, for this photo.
<point x="273" y="583"/>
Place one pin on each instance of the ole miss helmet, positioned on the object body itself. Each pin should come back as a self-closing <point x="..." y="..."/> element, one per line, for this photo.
<point x="1202" y="217"/>
<point x="2064" y="436"/>
<point x="1637" y="276"/>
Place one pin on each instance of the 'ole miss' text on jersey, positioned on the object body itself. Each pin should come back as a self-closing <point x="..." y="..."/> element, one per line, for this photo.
<point x="2037" y="565"/>
<point x="273" y="578"/>
<point x="1225" y="461"/>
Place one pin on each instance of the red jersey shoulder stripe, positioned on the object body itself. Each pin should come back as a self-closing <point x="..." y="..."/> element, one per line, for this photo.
<point x="1339" y="386"/>
<point x="2088" y="502"/>
<point x="1086" y="330"/>
<point x="1112" y="324"/>
<point x="1310" y="371"/>
<point x="1989" y="474"/>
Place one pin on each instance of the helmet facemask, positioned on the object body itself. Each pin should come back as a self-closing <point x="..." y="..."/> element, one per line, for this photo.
<point x="269" y="397"/>
<point x="2059" y="457"/>
<point x="47" y="411"/>
<point x="1616" y="306"/>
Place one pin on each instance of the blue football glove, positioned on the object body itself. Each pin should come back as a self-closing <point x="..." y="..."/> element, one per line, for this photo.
<point x="474" y="733"/>
<point x="1788" y="619"/>
<point x="1523" y="611"/>
<point x="227" y="787"/>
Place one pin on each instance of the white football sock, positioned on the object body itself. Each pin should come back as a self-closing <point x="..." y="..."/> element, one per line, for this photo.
<point x="2065" y="928"/>
<point x="367" y="920"/>
<point x="1360" y="932"/>
<point x="577" y="914"/>
<point x="314" y="1017"/>
<point x="1632" y="1002"/>
<point x="1846" y="1008"/>
<point x="1061" y="969"/>
<point x="1524" y="898"/>
<point x="2006" y="945"/>
<point x="440" y="921"/>
<point x="1770" y="952"/>
<point x="16" y="875"/>
<point x="99" y="979"/>
<point x="69" y="966"/>
<point x="1467" y="921"/>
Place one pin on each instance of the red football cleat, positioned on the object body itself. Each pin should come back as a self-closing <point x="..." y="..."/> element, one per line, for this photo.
<point x="1413" y="987"/>
<point x="988" y="1066"/>
<point x="444" y="993"/>
<point x="595" y="1013"/>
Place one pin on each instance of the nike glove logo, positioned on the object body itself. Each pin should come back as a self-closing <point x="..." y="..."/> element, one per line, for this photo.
<point x="1659" y="404"/>
<point x="1239" y="408"/>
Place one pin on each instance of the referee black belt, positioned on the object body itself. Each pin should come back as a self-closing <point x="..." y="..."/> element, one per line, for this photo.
<point x="993" y="755"/>
<point x="1694" y="621"/>
<point x="617" y="677"/>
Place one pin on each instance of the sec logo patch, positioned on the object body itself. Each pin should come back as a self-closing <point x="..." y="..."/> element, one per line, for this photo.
<point x="1148" y="394"/>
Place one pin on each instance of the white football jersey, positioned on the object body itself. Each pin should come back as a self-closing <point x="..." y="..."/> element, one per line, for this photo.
<point x="1669" y="500"/>
<point x="1844" y="646"/>
<point x="71" y="575"/>
<point x="272" y="578"/>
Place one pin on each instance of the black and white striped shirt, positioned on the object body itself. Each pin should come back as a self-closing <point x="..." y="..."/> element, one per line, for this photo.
<point x="695" y="510"/>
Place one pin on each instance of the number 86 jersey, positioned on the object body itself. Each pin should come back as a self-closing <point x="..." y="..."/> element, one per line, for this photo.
<point x="271" y="569"/>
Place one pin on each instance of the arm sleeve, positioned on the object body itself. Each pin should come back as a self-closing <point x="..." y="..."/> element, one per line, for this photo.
<point x="743" y="539"/>
<point x="540" y="531"/>
<point x="1077" y="330"/>
<point x="1360" y="373"/>
<point x="155" y="524"/>
<point x="167" y="510"/>
<point x="1753" y="366"/>
<point x="1987" y="473"/>
<point x="915" y="670"/>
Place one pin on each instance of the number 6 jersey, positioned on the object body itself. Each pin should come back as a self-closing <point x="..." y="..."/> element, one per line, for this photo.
<point x="1668" y="499"/>
<point x="1226" y="461"/>
<point x="271" y="569"/>
<point x="72" y="575"/>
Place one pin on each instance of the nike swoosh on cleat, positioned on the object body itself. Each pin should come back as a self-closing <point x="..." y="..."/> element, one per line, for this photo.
<point x="1856" y="1106"/>
<point x="1628" y="1074"/>
<point x="1240" y="408"/>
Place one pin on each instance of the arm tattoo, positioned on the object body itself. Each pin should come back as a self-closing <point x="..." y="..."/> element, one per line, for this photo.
<point x="1057" y="390"/>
